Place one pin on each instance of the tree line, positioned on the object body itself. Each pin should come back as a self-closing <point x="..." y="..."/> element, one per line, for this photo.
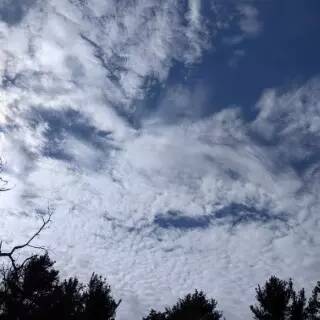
<point x="34" y="291"/>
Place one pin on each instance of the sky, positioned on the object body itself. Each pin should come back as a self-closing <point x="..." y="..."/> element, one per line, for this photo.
<point x="176" y="141"/>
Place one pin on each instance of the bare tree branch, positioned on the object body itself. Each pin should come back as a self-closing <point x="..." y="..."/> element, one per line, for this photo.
<point x="10" y="253"/>
<point x="45" y="222"/>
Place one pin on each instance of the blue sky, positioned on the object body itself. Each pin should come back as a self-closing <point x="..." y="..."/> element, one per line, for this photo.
<point x="283" y="53"/>
<point x="178" y="143"/>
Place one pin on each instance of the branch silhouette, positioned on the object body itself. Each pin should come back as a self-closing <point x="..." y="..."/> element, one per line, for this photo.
<point x="10" y="254"/>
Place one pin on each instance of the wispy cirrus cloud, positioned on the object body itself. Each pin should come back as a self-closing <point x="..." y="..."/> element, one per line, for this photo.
<point x="249" y="21"/>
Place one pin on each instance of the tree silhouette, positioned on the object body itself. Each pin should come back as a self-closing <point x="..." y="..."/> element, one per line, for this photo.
<point x="194" y="306"/>
<point x="313" y="308"/>
<point x="35" y="292"/>
<point x="10" y="254"/>
<point x="278" y="300"/>
<point x="273" y="300"/>
<point x="297" y="310"/>
<point x="154" y="315"/>
<point x="97" y="300"/>
<point x="45" y="221"/>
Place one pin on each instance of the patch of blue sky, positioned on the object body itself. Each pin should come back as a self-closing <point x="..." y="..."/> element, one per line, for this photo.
<point x="237" y="69"/>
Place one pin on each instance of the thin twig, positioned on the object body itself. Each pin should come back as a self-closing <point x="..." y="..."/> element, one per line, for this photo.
<point x="10" y="253"/>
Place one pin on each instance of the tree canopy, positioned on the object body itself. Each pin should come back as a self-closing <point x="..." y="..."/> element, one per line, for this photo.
<point x="34" y="291"/>
<point x="194" y="306"/>
<point x="277" y="300"/>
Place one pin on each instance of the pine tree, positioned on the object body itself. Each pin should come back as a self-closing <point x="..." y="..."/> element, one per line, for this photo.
<point x="298" y="306"/>
<point x="33" y="291"/>
<point x="154" y="315"/>
<point x="273" y="300"/>
<point x="313" y="308"/>
<point x="99" y="304"/>
<point x="194" y="306"/>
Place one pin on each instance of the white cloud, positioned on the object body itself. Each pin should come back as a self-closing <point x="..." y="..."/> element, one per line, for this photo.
<point x="194" y="12"/>
<point x="114" y="180"/>
<point x="249" y="21"/>
<point x="292" y="118"/>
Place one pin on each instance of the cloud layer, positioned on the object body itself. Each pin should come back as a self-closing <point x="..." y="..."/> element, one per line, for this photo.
<point x="182" y="201"/>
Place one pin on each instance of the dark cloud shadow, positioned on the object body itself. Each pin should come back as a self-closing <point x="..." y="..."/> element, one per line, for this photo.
<point x="233" y="215"/>
<point x="177" y="220"/>
<point x="237" y="213"/>
<point x="13" y="11"/>
<point x="68" y="123"/>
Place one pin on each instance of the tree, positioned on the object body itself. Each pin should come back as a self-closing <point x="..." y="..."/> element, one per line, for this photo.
<point x="297" y="309"/>
<point x="194" y="306"/>
<point x="278" y="300"/>
<point x="98" y="303"/>
<point x="10" y="254"/>
<point x="45" y="221"/>
<point x="313" y="308"/>
<point x="26" y="292"/>
<point x="34" y="292"/>
<point x="273" y="300"/>
<point x="154" y="315"/>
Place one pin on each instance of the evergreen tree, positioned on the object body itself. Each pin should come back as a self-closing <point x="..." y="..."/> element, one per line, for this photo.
<point x="297" y="309"/>
<point x="313" y="308"/>
<point x="154" y="315"/>
<point x="277" y="300"/>
<point x="26" y="292"/>
<point x="194" y="306"/>
<point x="273" y="300"/>
<point x="33" y="291"/>
<point x="98" y="303"/>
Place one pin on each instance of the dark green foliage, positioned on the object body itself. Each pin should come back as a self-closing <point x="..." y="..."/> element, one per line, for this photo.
<point x="97" y="300"/>
<point x="278" y="300"/>
<point x="35" y="292"/>
<point x="273" y="300"/>
<point x="313" y="308"/>
<point x="297" y="309"/>
<point x="194" y="306"/>
<point x="70" y="302"/>
<point x="22" y="292"/>
<point x="154" y="315"/>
